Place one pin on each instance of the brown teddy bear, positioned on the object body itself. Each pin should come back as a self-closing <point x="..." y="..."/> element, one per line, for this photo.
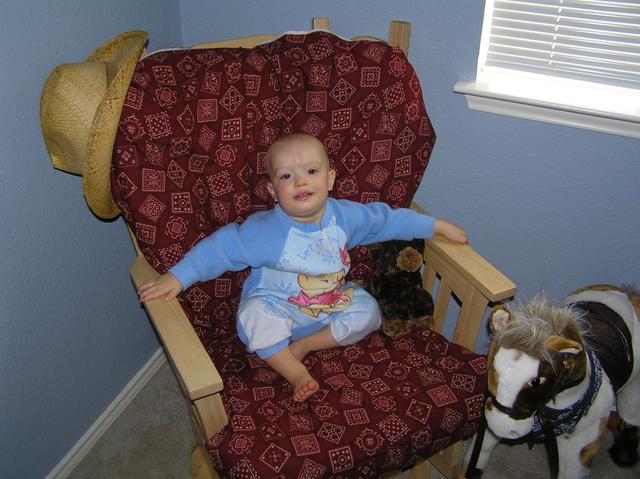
<point x="397" y="286"/>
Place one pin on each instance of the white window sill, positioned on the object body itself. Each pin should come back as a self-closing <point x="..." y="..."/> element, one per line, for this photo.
<point x="480" y="97"/>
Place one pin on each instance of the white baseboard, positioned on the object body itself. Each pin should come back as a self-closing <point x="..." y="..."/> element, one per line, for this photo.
<point x="108" y="417"/>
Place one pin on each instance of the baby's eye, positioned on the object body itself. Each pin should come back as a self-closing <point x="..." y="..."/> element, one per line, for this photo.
<point x="313" y="171"/>
<point x="285" y="176"/>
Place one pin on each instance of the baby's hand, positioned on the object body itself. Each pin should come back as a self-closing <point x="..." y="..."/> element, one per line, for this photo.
<point x="451" y="232"/>
<point x="166" y="286"/>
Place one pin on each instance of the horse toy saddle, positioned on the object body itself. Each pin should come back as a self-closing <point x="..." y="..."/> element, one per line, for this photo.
<point x="555" y="373"/>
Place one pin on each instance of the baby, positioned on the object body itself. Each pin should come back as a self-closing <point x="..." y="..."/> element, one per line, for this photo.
<point x="295" y="300"/>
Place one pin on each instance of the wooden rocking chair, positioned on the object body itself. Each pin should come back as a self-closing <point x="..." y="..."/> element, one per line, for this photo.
<point x="452" y="271"/>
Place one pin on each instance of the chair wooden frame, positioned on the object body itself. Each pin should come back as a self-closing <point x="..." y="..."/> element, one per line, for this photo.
<point x="452" y="270"/>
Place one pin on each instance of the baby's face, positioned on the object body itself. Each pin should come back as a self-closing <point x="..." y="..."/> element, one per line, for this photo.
<point x="300" y="179"/>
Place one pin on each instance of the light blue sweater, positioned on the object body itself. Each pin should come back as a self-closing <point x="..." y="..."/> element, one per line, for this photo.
<point x="292" y="259"/>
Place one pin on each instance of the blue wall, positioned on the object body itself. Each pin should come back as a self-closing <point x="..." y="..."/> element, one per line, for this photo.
<point x="553" y="207"/>
<point x="71" y="332"/>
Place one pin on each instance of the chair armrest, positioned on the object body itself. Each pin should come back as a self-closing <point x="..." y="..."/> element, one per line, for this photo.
<point x="470" y="279"/>
<point x="194" y="367"/>
<point x="466" y="262"/>
<point x="466" y="275"/>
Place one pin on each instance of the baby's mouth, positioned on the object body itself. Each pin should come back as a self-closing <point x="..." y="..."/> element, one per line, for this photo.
<point x="303" y="196"/>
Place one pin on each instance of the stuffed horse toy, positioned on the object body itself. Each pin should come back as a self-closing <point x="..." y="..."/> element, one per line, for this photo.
<point x="555" y="373"/>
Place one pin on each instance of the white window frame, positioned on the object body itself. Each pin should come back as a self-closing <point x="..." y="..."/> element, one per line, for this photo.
<point x="550" y="99"/>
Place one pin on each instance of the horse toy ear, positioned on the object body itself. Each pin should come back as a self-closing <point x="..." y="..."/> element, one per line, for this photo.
<point x="567" y="348"/>
<point x="562" y="345"/>
<point x="499" y="318"/>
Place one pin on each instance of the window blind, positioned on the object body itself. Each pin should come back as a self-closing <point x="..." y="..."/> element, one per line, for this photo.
<point x="592" y="40"/>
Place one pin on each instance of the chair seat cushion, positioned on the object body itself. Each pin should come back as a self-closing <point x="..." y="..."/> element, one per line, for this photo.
<point x="383" y="404"/>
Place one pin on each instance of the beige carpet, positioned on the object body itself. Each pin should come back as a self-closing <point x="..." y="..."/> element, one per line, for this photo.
<point x="152" y="439"/>
<point x="521" y="463"/>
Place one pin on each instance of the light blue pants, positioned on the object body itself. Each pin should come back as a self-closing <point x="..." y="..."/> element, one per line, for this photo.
<point x="267" y="324"/>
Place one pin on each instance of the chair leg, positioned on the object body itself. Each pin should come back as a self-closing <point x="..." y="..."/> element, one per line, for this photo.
<point x="448" y="461"/>
<point x="421" y="470"/>
<point x="201" y="467"/>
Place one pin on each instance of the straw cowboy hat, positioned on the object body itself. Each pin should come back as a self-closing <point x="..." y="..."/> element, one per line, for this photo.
<point x="80" y="111"/>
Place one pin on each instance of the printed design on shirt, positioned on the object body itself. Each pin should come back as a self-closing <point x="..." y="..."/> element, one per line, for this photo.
<point x="322" y="293"/>
<point x="312" y="251"/>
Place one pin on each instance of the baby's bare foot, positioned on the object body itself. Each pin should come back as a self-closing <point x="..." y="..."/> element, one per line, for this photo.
<point x="304" y="388"/>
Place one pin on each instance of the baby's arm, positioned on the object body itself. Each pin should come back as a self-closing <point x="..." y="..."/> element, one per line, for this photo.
<point x="231" y="248"/>
<point x="166" y="286"/>
<point x="450" y="231"/>
<point x="376" y="222"/>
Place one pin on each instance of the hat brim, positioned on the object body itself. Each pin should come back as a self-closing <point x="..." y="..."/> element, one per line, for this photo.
<point x="121" y="55"/>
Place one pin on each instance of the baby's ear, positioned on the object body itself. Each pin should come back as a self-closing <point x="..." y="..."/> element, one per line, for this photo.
<point x="332" y="178"/>
<point x="272" y="191"/>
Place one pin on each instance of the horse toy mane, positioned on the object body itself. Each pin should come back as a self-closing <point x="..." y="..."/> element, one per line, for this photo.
<point x="559" y="371"/>
<point x="530" y="325"/>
